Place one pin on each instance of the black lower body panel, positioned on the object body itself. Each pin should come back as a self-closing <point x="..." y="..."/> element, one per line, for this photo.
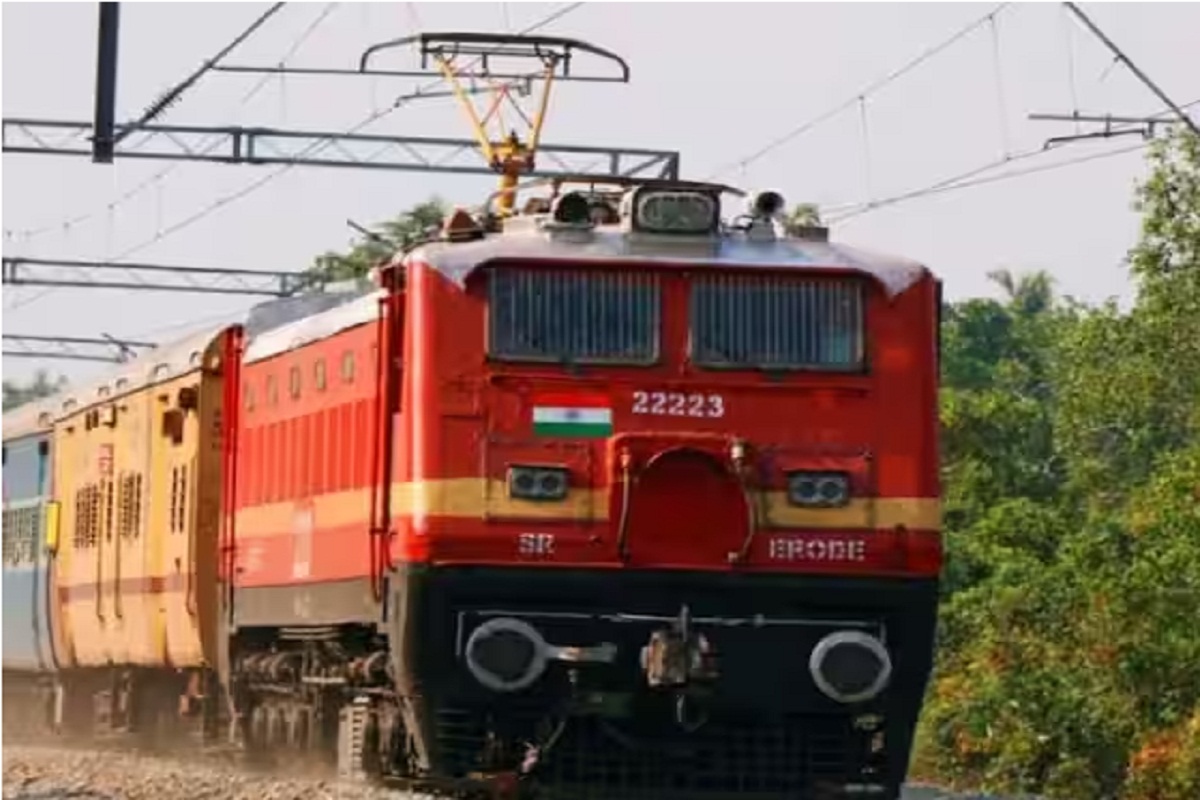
<point x="592" y="725"/>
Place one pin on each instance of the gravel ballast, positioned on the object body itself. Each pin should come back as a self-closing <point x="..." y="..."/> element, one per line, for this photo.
<point x="39" y="772"/>
<point x="48" y="773"/>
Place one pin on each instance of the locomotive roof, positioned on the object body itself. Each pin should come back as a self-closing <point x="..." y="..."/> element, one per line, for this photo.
<point x="314" y="328"/>
<point x="457" y="261"/>
<point x="155" y="366"/>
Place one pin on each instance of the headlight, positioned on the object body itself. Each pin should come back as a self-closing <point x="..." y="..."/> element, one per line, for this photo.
<point x="821" y="489"/>
<point x="538" y="483"/>
<point x="850" y="666"/>
<point x="506" y="654"/>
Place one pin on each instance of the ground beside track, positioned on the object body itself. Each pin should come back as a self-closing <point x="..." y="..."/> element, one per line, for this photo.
<point x="42" y="772"/>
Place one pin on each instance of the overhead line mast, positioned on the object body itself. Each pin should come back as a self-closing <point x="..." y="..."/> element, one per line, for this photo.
<point x="103" y="138"/>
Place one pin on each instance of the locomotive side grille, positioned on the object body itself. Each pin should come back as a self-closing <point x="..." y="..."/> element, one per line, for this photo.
<point x="572" y="316"/>
<point x="769" y="322"/>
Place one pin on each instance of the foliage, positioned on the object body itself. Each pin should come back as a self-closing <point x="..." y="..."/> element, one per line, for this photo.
<point x="381" y="244"/>
<point x="803" y="215"/>
<point x="1071" y="451"/>
<point x="17" y="394"/>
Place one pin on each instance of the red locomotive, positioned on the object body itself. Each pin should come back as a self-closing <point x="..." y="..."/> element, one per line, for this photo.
<point x="645" y="505"/>
<point x="611" y="497"/>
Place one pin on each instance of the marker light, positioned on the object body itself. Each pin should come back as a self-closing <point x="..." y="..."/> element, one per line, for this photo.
<point x="818" y="489"/>
<point x="538" y="483"/>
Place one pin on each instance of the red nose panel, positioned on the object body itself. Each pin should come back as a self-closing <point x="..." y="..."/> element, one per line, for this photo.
<point x="686" y="509"/>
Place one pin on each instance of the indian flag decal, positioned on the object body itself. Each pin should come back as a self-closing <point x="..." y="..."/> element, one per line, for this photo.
<point x="577" y="415"/>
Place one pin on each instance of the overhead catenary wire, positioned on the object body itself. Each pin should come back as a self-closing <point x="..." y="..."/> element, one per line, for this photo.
<point x="850" y="102"/>
<point x="968" y="178"/>
<point x="313" y="148"/>
<point x="158" y="177"/>
<point x="316" y="146"/>
<point x="866" y="141"/>
<point x="1001" y="102"/>
<point x="172" y="95"/>
<point x="962" y="181"/>
<point x="972" y="177"/>
<point x="1070" y="53"/>
<point x="413" y="15"/>
<point x="156" y="334"/>
<point x="1141" y="76"/>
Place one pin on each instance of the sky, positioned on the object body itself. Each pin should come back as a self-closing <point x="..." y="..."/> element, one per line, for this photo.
<point x="716" y="81"/>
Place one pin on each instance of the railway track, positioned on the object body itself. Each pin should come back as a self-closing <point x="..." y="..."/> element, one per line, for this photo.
<point x="276" y="765"/>
<point x="113" y="767"/>
<point x="104" y="769"/>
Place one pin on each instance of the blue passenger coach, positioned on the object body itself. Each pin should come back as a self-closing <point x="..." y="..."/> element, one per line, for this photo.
<point x="27" y="593"/>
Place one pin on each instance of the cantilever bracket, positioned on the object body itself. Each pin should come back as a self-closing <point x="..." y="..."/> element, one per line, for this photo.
<point x="1146" y="133"/>
<point x="1146" y="127"/>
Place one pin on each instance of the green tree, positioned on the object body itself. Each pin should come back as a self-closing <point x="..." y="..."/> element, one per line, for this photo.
<point x="1068" y="640"/>
<point x="1132" y="380"/>
<point x="17" y="394"/>
<point x="802" y="219"/>
<point x="377" y="246"/>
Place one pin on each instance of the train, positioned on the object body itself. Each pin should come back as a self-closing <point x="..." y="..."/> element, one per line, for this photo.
<point x="617" y="496"/>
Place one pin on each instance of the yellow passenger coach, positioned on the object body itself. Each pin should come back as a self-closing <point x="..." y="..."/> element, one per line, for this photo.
<point x="139" y="475"/>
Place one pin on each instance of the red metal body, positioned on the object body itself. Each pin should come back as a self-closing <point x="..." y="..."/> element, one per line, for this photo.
<point x="305" y="445"/>
<point x="399" y="452"/>
<point x="468" y="419"/>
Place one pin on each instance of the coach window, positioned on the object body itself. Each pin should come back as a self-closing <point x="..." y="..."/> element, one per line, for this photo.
<point x="249" y="397"/>
<point x="272" y="391"/>
<point x="319" y="374"/>
<point x="294" y="382"/>
<point x="348" y="366"/>
<point x="129" y="505"/>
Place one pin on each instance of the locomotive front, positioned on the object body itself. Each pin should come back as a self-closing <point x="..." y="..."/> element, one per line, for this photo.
<point x="669" y="509"/>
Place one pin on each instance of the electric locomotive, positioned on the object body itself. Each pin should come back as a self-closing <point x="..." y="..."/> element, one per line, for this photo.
<point x="629" y="501"/>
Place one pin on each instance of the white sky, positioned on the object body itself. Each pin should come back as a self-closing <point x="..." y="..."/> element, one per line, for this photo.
<point x="715" y="81"/>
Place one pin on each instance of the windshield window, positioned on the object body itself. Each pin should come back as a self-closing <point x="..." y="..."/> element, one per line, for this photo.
<point x="573" y="316"/>
<point x="769" y="322"/>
